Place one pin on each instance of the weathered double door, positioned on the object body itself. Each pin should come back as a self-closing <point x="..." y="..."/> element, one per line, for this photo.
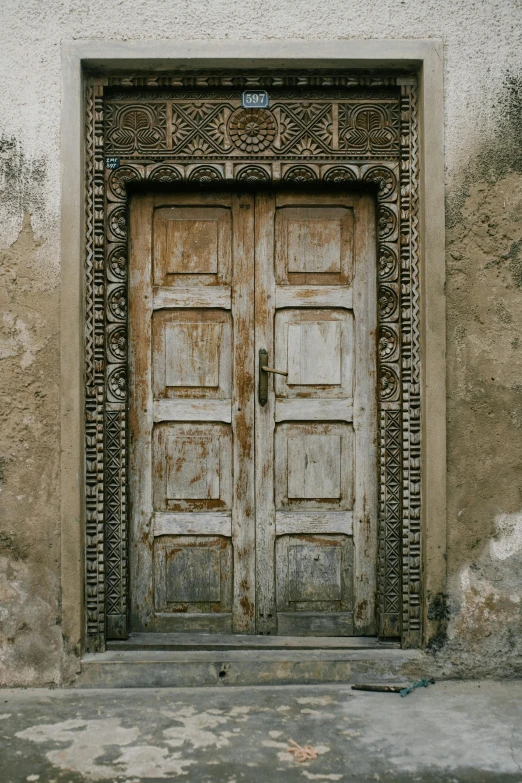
<point x="253" y="494"/>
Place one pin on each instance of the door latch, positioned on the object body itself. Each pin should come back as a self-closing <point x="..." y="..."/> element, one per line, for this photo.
<point x="264" y="370"/>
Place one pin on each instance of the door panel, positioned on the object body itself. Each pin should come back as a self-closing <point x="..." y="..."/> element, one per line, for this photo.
<point x="316" y="489"/>
<point x="192" y="413"/>
<point x="239" y="528"/>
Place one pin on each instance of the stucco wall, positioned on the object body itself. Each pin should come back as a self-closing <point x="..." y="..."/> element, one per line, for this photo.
<point x="479" y="616"/>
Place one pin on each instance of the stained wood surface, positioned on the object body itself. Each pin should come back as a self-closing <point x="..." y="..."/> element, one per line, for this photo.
<point x="315" y="437"/>
<point x="365" y="419"/>
<point x="318" y="410"/>
<point x="249" y="518"/>
<point x="265" y="291"/>
<point x="306" y="523"/>
<point x="198" y="296"/>
<point x="192" y="401"/>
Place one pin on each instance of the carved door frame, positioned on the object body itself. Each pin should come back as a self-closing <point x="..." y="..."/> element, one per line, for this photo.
<point x="322" y="127"/>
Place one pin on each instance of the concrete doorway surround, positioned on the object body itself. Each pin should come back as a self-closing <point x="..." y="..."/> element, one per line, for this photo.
<point x="124" y="79"/>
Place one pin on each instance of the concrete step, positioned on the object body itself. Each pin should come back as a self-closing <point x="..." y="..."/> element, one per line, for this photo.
<point x="193" y="668"/>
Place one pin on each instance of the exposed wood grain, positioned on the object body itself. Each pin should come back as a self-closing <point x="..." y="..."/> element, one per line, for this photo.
<point x="197" y="296"/>
<point x="302" y="522"/>
<point x="265" y="418"/>
<point x="243" y="413"/>
<point x="317" y="410"/>
<point x="192" y="353"/>
<point x="314" y="353"/>
<point x="192" y="240"/>
<point x="314" y="241"/>
<point x="193" y="410"/>
<point x="315" y="623"/>
<point x="304" y="452"/>
<point x="200" y="622"/>
<point x="314" y="465"/>
<point x="365" y="418"/>
<point x="314" y="296"/>
<point x="197" y="524"/>
<point x="197" y="549"/>
<point x="275" y="551"/>
<point x="316" y="346"/>
<point x="140" y="412"/>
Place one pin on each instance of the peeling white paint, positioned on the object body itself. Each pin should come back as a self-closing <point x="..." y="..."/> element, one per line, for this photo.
<point x="312" y="776"/>
<point x="195" y="729"/>
<point x="21" y="339"/>
<point x="508" y="540"/>
<point x="88" y="741"/>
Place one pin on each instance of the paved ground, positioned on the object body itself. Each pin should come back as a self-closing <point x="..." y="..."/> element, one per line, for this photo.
<point x="451" y="732"/>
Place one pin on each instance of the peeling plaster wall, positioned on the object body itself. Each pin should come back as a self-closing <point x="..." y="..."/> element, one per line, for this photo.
<point x="479" y="618"/>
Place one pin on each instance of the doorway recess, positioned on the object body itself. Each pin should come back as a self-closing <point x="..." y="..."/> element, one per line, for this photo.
<point x="321" y="129"/>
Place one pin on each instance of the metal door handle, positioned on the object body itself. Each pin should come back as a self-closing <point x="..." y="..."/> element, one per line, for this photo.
<point x="264" y="369"/>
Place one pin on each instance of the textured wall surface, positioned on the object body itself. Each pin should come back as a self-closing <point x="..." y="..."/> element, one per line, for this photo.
<point x="479" y="618"/>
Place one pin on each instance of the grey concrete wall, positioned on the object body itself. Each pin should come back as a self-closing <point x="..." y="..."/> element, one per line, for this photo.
<point x="478" y="618"/>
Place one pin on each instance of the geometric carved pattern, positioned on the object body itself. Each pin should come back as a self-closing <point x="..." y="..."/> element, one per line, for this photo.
<point x="369" y="128"/>
<point x="115" y="530"/>
<point x="410" y="339"/>
<point x="335" y="128"/>
<point x="390" y="538"/>
<point x="216" y="125"/>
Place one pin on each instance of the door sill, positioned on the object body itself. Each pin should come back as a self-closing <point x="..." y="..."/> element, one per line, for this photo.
<point x="207" y="641"/>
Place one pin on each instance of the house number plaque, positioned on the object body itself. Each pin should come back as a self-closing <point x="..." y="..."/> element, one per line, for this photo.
<point x="254" y="99"/>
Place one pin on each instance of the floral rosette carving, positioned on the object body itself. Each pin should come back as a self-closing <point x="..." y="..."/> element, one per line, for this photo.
<point x="120" y="179"/>
<point x="118" y="222"/>
<point x="165" y="174"/>
<point x="252" y="130"/>
<point x="383" y="178"/>
<point x="389" y="383"/>
<point x="117" y="382"/>
<point x="205" y="175"/>
<point x="301" y="174"/>
<point x="117" y="343"/>
<point x="117" y="302"/>
<point x="387" y="263"/>
<point x="386" y="222"/>
<point x="117" y="262"/>
<point x="340" y="174"/>
<point x="253" y="174"/>
<point x="387" y="342"/>
<point x="387" y="302"/>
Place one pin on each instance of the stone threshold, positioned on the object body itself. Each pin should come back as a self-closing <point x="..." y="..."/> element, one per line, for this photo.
<point x="214" y="641"/>
<point x="135" y="668"/>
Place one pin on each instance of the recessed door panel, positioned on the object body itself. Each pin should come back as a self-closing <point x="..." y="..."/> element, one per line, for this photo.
<point x="192" y="245"/>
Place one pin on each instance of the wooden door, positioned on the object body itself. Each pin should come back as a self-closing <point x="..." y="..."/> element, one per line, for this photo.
<point x="251" y="518"/>
<point x="191" y="327"/>
<point x="316" y="463"/>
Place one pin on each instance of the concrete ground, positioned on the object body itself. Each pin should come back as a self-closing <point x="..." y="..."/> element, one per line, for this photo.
<point x="450" y="732"/>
